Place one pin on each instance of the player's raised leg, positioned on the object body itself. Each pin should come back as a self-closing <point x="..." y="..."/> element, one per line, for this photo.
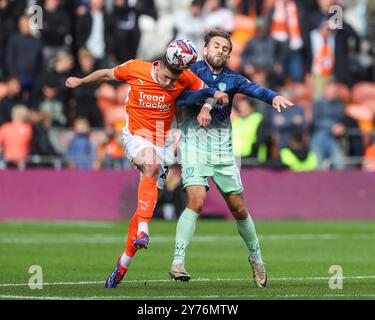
<point x="246" y="229"/>
<point x="185" y="230"/>
<point x="138" y="232"/>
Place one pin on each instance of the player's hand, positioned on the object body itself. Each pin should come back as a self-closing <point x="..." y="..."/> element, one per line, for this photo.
<point x="221" y="97"/>
<point x="280" y="101"/>
<point x="73" y="82"/>
<point x="204" y="117"/>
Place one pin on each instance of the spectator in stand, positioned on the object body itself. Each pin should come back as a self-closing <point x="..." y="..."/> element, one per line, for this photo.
<point x="41" y="144"/>
<point x="24" y="58"/>
<point x="353" y="137"/>
<point x="106" y="100"/>
<point x="328" y="128"/>
<point x="50" y="102"/>
<point x="297" y="156"/>
<point x="15" y="137"/>
<point x="246" y="7"/>
<point x="56" y="28"/>
<point x="189" y="24"/>
<point x="370" y="18"/>
<point x="284" y="22"/>
<point x="126" y="28"/>
<point x="82" y="153"/>
<point x="262" y="52"/>
<point x="93" y="30"/>
<point x="260" y="77"/>
<point x="323" y="58"/>
<point x="114" y="149"/>
<point x="284" y="124"/>
<point x="250" y="132"/>
<point x="321" y="12"/>
<point x="217" y="17"/>
<point x="344" y="44"/>
<point x="12" y="93"/>
<point x="85" y="96"/>
<point x="10" y="11"/>
<point x="60" y="67"/>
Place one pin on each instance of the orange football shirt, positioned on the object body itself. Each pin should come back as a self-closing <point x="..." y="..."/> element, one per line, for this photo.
<point x="150" y="108"/>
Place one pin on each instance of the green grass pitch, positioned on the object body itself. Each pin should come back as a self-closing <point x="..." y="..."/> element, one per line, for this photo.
<point x="76" y="257"/>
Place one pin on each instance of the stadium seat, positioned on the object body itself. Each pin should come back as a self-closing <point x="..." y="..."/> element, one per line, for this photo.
<point x="244" y="29"/>
<point x="363" y="114"/>
<point x="370" y="104"/>
<point x="363" y="91"/>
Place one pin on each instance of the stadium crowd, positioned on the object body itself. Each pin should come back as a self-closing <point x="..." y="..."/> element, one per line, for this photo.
<point x="301" y="48"/>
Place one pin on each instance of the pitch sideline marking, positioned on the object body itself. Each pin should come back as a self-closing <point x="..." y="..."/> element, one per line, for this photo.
<point x="193" y="280"/>
<point x="104" y="238"/>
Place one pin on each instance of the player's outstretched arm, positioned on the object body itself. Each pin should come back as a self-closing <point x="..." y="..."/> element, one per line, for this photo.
<point x="252" y="89"/>
<point x="191" y="97"/>
<point x="281" y="102"/>
<point x="96" y="76"/>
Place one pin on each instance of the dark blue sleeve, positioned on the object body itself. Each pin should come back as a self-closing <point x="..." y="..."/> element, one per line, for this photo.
<point x="189" y="97"/>
<point x="251" y="89"/>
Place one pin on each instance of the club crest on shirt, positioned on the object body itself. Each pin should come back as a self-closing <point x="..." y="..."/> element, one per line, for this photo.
<point x="190" y="172"/>
<point x="222" y="86"/>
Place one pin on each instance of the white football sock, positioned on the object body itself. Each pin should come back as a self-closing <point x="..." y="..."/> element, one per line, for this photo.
<point x="125" y="260"/>
<point x="142" y="227"/>
<point x="177" y="261"/>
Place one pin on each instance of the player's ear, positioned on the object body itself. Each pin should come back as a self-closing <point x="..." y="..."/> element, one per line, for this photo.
<point x="205" y="51"/>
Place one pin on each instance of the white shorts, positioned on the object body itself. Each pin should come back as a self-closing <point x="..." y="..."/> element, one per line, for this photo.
<point x="133" y="144"/>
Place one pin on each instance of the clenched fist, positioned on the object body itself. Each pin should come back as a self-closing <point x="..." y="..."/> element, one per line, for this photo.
<point x="73" y="82"/>
<point x="221" y="98"/>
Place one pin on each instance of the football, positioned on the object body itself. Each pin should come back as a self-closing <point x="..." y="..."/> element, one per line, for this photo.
<point x="181" y="53"/>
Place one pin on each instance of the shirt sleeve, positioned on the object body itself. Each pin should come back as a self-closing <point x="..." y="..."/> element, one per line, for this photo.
<point x="189" y="97"/>
<point x="251" y="89"/>
<point x="121" y="72"/>
<point x="192" y="81"/>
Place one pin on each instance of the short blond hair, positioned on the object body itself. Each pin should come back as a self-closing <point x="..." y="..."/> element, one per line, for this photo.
<point x="20" y="112"/>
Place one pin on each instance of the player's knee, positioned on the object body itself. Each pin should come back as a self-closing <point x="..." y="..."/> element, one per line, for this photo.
<point x="196" y="202"/>
<point x="151" y="170"/>
<point x="239" y="212"/>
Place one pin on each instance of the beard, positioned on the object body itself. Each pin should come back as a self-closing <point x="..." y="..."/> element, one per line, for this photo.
<point x="216" y="62"/>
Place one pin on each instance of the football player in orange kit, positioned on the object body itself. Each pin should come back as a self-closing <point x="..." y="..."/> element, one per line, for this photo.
<point x="150" y="108"/>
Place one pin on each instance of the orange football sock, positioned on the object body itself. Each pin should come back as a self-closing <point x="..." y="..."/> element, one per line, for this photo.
<point x="147" y="197"/>
<point x="130" y="250"/>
